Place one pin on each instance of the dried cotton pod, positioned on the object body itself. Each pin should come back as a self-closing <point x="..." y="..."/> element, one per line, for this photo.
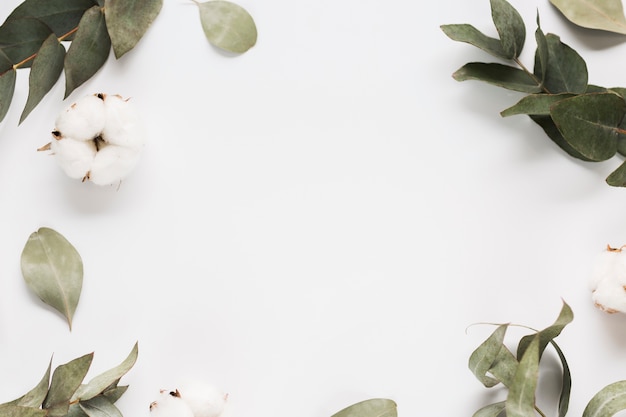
<point x="608" y="280"/>
<point x="98" y="138"/>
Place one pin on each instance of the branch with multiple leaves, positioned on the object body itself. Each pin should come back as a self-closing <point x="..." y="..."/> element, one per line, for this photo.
<point x="584" y="120"/>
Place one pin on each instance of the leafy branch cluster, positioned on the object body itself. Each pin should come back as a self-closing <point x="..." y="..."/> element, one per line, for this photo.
<point x="493" y="363"/>
<point x="65" y="395"/>
<point x="584" y="120"/>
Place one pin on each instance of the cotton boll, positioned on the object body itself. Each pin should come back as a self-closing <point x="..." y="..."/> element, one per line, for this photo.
<point x="608" y="281"/>
<point x="75" y="157"/>
<point x="205" y="400"/>
<point x="112" y="164"/>
<point x="83" y="120"/>
<point x="169" y="404"/>
<point x="122" y="126"/>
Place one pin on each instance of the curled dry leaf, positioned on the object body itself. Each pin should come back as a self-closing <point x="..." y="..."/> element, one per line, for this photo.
<point x="53" y="270"/>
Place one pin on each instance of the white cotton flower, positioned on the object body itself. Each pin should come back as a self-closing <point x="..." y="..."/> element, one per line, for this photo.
<point x="169" y="404"/>
<point x="98" y="138"/>
<point x="608" y="280"/>
<point x="205" y="400"/>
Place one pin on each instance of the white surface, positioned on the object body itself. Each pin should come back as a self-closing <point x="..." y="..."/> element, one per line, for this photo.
<point x="316" y="222"/>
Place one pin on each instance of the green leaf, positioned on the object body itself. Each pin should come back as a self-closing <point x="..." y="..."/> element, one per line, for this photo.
<point x="36" y="396"/>
<point x="542" y="54"/>
<point x="617" y="178"/>
<point x="548" y="126"/>
<point x="65" y="381"/>
<point x="7" y="88"/>
<point x="497" y="74"/>
<point x="510" y="27"/>
<point x="589" y="123"/>
<point x="115" y="393"/>
<point x="492" y="410"/>
<point x="600" y="14"/>
<point x="17" y="411"/>
<point x="100" y="407"/>
<point x="89" y="50"/>
<point x="608" y="401"/>
<point x="75" y="411"/>
<point x="566" y="71"/>
<point x="53" y="269"/>
<point x="21" y="38"/>
<point x="101" y="382"/>
<point x="46" y="70"/>
<point x="128" y="20"/>
<point x="536" y="104"/>
<point x="375" y="407"/>
<point x="566" y="316"/>
<point x="566" y="384"/>
<point x="227" y="25"/>
<point x="505" y="366"/>
<point x="484" y="357"/>
<point x="469" y="34"/>
<point x="62" y="16"/>
<point x="520" y="401"/>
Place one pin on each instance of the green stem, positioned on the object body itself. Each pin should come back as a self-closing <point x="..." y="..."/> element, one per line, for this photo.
<point x="539" y="411"/>
<point x="531" y="75"/>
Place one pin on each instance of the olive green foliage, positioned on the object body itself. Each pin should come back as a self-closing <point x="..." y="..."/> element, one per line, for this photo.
<point x="586" y="121"/>
<point x="66" y="395"/>
<point x="597" y="14"/>
<point x="375" y="407"/>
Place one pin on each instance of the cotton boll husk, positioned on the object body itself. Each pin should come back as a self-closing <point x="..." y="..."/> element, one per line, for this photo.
<point x="122" y="126"/>
<point x="112" y="164"/>
<point x="83" y="120"/>
<point x="168" y="405"/>
<point x="205" y="400"/>
<point x="75" y="157"/>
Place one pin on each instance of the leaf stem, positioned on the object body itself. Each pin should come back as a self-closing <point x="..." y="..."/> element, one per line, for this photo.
<point x="539" y="411"/>
<point x="531" y="75"/>
<point x="33" y="56"/>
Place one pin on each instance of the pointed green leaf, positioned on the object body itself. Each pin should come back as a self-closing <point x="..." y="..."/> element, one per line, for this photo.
<point x="375" y="407"/>
<point x="227" y="25"/>
<point x="65" y="381"/>
<point x="566" y="315"/>
<point x="537" y="104"/>
<point x="510" y="27"/>
<point x="492" y="410"/>
<point x="497" y="74"/>
<point x="53" y="269"/>
<point x="7" y="88"/>
<point x="483" y="358"/>
<point x="566" y="383"/>
<point x="35" y="397"/>
<point x="75" y="410"/>
<point x="548" y="126"/>
<point x="600" y="14"/>
<point x="469" y="34"/>
<point x="589" y="123"/>
<point x="128" y="20"/>
<point x="566" y="71"/>
<point x="89" y="50"/>
<point x="21" y="39"/>
<point x="608" y="401"/>
<point x="98" y="384"/>
<point x="62" y="16"/>
<point x="115" y="393"/>
<point x="541" y="53"/>
<point x="618" y="177"/>
<point x="100" y="407"/>
<point x="520" y="401"/>
<point x="46" y="70"/>
<point x="17" y="411"/>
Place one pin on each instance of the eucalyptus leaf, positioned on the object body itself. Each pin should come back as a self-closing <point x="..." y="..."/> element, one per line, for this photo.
<point x="520" y="401"/>
<point x="566" y="383"/>
<point x="21" y="38"/>
<point x="548" y="126"/>
<point x="128" y="20"/>
<point x="36" y="396"/>
<point x="608" y="401"/>
<point x="100" y="407"/>
<point x="510" y="27"/>
<point x="542" y="54"/>
<point x="566" y="70"/>
<point x="535" y="104"/>
<point x="617" y="178"/>
<point x="469" y="34"/>
<point x="115" y="393"/>
<point x="375" y="407"/>
<point x="484" y="357"/>
<point x="227" y="25"/>
<point x="89" y="50"/>
<point x="53" y="269"/>
<point x="62" y="16"/>
<point x="589" y="123"/>
<point x="75" y="410"/>
<point x="600" y="14"/>
<point x="504" y="367"/>
<point x="101" y="382"/>
<point x="566" y="316"/>
<point x="65" y="381"/>
<point x="45" y="72"/>
<point x="500" y="75"/>
<point x="491" y="410"/>
<point x="17" y="411"/>
<point x="7" y="88"/>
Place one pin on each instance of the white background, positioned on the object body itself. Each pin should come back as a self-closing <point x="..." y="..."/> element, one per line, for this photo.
<point x="317" y="222"/>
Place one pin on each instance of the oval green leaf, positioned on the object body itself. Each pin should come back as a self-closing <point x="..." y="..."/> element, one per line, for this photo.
<point x="375" y="407"/>
<point x="535" y="104"/>
<point x="128" y="20"/>
<point x="510" y="27"/>
<point x="53" y="269"/>
<point x="89" y="50"/>
<point x="617" y="178"/>
<point x="45" y="72"/>
<point x="62" y="16"/>
<point x="566" y="70"/>
<point x="608" y="401"/>
<point x="100" y="407"/>
<point x="500" y="75"/>
<point x="227" y="25"/>
<point x="21" y="38"/>
<point x="65" y="381"/>
<point x="599" y="14"/>
<point x="469" y="34"/>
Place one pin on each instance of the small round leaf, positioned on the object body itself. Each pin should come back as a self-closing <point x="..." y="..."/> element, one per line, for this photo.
<point x="227" y="25"/>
